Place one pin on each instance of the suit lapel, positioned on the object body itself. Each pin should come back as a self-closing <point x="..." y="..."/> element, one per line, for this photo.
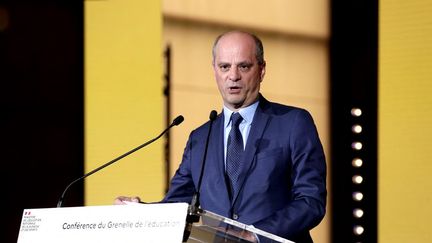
<point x="217" y="151"/>
<point x="258" y="126"/>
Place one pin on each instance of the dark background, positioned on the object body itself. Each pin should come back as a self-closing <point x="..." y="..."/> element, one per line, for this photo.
<point x="41" y="104"/>
<point x="354" y="84"/>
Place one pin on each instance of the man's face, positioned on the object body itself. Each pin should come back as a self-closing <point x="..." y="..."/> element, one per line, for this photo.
<point x="237" y="72"/>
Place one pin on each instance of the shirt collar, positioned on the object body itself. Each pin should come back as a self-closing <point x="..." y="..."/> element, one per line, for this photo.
<point x="247" y="113"/>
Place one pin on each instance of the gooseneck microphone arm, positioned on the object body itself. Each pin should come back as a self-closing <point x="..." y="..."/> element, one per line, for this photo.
<point x="175" y="122"/>
<point x="195" y="198"/>
<point x="194" y="207"/>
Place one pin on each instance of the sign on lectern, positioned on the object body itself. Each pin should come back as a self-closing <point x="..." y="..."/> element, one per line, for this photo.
<point x="115" y="223"/>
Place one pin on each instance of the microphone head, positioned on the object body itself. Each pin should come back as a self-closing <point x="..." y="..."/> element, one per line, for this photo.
<point x="213" y="115"/>
<point x="178" y="120"/>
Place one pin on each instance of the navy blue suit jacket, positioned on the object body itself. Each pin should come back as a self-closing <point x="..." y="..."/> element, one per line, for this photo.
<point x="283" y="173"/>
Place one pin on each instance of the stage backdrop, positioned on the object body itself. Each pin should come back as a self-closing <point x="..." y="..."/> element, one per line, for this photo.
<point x="123" y="99"/>
<point x="295" y="35"/>
<point x="405" y="121"/>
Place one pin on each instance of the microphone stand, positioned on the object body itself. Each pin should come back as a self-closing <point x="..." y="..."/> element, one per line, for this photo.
<point x="175" y="122"/>
<point x="194" y="209"/>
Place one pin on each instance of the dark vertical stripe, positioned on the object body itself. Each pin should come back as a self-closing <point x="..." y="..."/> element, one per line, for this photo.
<point x="41" y="101"/>
<point x="167" y="95"/>
<point x="353" y="70"/>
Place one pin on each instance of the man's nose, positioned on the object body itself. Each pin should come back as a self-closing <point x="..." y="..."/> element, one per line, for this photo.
<point x="234" y="74"/>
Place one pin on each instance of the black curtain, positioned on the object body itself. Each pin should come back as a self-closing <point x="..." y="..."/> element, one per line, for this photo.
<point x="354" y="79"/>
<point x="41" y="101"/>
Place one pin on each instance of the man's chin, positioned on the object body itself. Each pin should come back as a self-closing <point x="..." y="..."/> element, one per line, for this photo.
<point x="237" y="106"/>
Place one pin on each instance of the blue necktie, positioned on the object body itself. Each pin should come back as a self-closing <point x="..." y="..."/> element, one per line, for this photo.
<point x="235" y="153"/>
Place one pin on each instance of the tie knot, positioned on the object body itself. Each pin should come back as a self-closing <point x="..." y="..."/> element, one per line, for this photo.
<point x="236" y="119"/>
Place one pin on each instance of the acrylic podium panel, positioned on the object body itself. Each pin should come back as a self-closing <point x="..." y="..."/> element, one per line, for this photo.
<point x="152" y="223"/>
<point x="135" y="223"/>
<point x="216" y="228"/>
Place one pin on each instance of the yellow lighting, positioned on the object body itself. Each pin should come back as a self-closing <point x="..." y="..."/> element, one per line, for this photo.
<point x="357" y="162"/>
<point x="356" y="112"/>
<point x="357" y="129"/>
<point x="357" y="145"/>
<point x="357" y="179"/>
<point x="357" y="196"/>
<point x="358" y="230"/>
<point x="358" y="213"/>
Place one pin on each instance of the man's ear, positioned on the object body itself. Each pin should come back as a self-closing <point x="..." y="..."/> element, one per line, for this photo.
<point x="263" y="71"/>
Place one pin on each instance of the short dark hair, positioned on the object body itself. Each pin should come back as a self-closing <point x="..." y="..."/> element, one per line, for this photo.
<point x="259" y="48"/>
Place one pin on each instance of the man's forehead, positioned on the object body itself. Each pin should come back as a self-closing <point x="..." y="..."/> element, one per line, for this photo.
<point x="234" y="61"/>
<point x="235" y="51"/>
<point x="236" y="39"/>
<point x="229" y="57"/>
<point x="236" y="35"/>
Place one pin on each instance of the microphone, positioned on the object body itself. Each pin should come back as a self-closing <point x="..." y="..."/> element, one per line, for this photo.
<point x="175" y="122"/>
<point x="194" y="207"/>
<point x="196" y="203"/>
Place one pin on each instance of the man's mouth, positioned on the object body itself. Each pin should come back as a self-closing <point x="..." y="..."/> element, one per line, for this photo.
<point x="233" y="88"/>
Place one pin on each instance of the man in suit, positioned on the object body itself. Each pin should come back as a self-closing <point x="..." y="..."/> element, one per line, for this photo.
<point x="279" y="180"/>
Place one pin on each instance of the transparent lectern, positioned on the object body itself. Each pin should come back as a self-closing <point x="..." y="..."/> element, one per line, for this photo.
<point x="216" y="228"/>
<point x="135" y="223"/>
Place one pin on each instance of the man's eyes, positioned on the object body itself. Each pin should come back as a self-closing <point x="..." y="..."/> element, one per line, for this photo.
<point x="243" y="67"/>
<point x="224" y="67"/>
